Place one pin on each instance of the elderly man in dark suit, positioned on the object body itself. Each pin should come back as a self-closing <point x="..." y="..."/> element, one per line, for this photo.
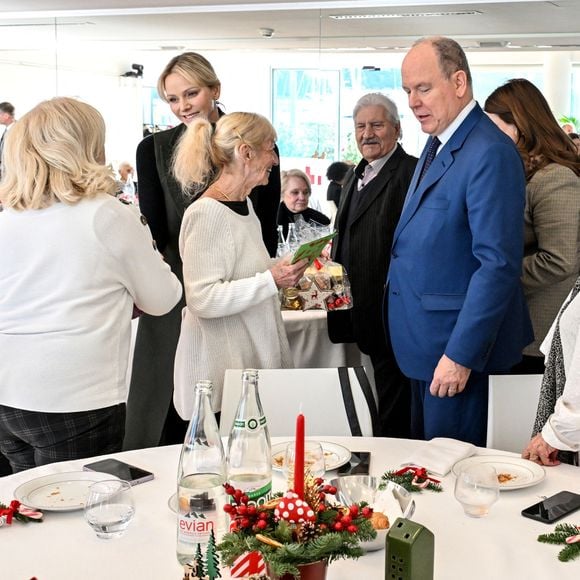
<point x="369" y="209"/>
<point x="456" y="310"/>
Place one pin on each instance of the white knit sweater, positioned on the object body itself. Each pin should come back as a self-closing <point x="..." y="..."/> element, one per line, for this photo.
<point x="232" y="318"/>
<point x="69" y="278"/>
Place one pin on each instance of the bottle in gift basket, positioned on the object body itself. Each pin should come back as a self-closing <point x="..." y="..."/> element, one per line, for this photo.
<point x="282" y="245"/>
<point x="292" y="238"/>
<point x="249" y="462"/>
<point x="200" y="478"/>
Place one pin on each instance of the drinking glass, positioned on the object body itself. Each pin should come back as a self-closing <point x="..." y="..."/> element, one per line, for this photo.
<point x="313" y="461"/>
<point x="109" y="507"/>
<point x="477" y="489"/>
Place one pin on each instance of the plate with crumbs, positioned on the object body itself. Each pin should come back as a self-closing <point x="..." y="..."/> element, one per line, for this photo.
<point x="59" y="492"/>
<point x="512" y="472"/>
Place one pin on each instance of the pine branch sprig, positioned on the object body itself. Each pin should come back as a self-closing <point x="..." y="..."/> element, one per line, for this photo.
<point x="559" y="536"/>
<point x="553" y="538"/>
<point x="569" y="552"/>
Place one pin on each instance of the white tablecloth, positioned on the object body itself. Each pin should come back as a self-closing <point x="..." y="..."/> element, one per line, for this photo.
<point x="309" y="343"/>
<point x="501" y="546"/>
<point x="311" y="347"/>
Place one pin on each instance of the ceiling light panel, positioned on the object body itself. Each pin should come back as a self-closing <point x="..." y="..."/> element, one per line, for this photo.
<point x="404" y="15"/>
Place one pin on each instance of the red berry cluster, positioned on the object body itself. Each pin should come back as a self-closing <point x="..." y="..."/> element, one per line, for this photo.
<point x="321" y="490"/>
<point x="346" y="522"/>
<point x="244" y="516"/>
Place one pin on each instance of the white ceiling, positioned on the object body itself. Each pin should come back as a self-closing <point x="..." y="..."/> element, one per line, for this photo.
<point x="123" y="25"/>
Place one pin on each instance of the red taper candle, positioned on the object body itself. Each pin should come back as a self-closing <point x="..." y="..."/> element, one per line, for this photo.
<point x="299" y="457"/>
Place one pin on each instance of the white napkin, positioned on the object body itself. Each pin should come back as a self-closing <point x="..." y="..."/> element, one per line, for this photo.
<point x="440" y="454"/>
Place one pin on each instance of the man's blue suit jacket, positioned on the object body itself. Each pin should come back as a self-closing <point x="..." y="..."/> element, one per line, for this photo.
<point x="454" y="279"/>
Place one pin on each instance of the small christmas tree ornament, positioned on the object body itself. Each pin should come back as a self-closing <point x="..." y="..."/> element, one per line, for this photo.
<point x="212" y="559"/>
<point x="199" y="568"/>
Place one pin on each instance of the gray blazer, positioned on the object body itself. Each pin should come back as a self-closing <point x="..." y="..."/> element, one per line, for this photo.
<point x="551" y="245"/>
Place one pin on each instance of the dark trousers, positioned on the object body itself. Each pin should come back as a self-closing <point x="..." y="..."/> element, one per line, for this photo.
<point x="462" y="417"/>
<point x="5" y="468"/>
<point x="394" y="395"/>
<point x="151" y="417"/>
<point x="31" y="438"/>
<point x="174" y="428"/>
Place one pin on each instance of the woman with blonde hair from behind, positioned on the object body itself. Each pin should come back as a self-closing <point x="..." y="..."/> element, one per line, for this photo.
<point x="232" y="316"/>
<point x="74" y="262"/>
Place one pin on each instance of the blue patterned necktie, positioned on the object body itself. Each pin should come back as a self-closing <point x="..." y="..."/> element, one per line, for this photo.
<point x="431" y="152"/>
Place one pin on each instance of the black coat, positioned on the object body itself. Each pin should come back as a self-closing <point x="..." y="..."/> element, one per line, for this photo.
<point x="163" y="204"/>
<point x="370" y="237"/>
<point x="285" y="216"/>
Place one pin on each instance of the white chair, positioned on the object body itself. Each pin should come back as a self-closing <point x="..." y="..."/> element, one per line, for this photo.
<point x="317" y="393"/>
<point x="513" y="400"/>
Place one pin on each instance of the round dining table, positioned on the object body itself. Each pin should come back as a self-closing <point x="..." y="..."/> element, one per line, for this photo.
<point x="502" y="545"/>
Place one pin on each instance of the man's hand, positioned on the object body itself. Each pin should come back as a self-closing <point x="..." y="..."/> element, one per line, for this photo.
<point x="449" y="378"/>
<point x="540" y="452"/>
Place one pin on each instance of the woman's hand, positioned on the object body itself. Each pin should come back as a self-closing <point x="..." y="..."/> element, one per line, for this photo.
<point x="326" y="251"/>
<point x="285" y="274"/>
<point x="540" y="452"/>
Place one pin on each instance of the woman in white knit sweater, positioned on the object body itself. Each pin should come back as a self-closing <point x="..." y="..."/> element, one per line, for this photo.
<point x="232" y="318"/>
<point x="74" y="261"/>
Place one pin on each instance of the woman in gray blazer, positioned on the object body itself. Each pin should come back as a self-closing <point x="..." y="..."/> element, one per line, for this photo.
<point x="552" y="215"/>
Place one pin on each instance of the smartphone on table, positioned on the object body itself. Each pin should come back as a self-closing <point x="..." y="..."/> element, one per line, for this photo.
<point x="553" y="508"/>
<point x="359" y="464"/>
<point x="134" y="475"/>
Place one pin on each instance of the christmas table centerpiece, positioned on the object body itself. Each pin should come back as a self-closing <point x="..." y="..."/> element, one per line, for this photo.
<point x="300" y="532"/>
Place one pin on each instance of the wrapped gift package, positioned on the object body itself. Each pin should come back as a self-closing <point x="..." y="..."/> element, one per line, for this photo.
<point x="324" y="286"/>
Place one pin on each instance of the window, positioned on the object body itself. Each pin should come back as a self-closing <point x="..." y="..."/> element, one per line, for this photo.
<point x="487" y="79"/>
<point x="305" y="112"/>
<point x="575" y="99"/>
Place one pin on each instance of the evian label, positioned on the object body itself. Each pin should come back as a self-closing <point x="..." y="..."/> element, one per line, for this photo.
<point x="195" y="528"/>
<point x="252" y="424"/>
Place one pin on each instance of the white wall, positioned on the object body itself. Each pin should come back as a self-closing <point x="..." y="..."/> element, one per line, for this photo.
<point x="119" y="100"/>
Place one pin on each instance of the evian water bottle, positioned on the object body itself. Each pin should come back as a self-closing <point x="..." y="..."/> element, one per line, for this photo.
<point x="200" y="478"/>
<point x="249" y="463"/>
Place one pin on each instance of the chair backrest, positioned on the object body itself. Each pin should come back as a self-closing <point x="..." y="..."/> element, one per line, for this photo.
<point x="317" y="393"/>
<point x="513" y="400"/>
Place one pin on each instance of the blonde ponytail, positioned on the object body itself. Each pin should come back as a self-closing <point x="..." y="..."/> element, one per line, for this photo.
<point x="192" y="161"/>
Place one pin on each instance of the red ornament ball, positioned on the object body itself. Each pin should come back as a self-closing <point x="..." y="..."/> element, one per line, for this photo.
<point x="293" y="510"/>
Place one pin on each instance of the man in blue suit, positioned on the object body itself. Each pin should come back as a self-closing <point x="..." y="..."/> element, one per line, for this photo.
<point x="456" y="310"/>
